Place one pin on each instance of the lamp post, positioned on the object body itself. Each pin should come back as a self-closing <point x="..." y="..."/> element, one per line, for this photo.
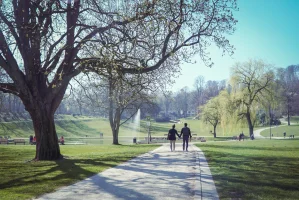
<point x="148" y="130"/>
<point x="270" y="120"/>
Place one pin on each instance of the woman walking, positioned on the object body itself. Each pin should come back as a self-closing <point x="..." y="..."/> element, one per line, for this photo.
<point x="171" y="137"/>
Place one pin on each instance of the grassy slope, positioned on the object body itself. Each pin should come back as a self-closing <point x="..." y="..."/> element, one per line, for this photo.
<point x="295" y="119"/>
<point x="257" y="159"/>
<point x="76" y="130"/>
<point x="263" y="169"/>
<point x="21" y="179"/>
<point x="278" y="131"/>
<point x="71" y="127"/>
<point x="68" y="127"/>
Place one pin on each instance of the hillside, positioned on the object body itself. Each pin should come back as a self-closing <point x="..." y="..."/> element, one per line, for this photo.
<point x="20" y="126"/>
<point x="69" y="126"/>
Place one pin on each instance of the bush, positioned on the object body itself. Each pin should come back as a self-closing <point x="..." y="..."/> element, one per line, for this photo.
<point x="276" y="122"/>
<point x="162" y="119"/>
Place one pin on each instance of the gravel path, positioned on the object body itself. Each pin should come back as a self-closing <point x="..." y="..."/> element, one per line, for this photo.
<point x="159" y="174"/>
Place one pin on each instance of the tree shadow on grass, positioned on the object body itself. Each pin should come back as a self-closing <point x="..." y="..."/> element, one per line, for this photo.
<point x="70" y="170"/>
<point x="47" y="176"/>
<point x="139" y="184"/>
<point x="254" y="176"/>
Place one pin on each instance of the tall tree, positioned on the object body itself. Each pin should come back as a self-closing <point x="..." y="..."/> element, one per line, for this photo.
<point x="198" y="96"/>
<point x="182" y="101"/>
<point x="211" y="112"/>
<point x="41" y="49"/>
<point x="212" y="89"/>
<point x="44" y="44"/>
<point x="288" y="80"/>
<point x="117" y="96"/>
<point x="251" y="80"/>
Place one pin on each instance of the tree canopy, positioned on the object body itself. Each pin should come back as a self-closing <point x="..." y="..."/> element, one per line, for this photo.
<point x="44" y="44"/>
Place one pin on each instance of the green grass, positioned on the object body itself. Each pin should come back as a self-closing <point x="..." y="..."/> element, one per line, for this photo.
<point x="260" y="169"/>
<point x="69" y="127"/>
<point x="278" y="131"/>
<point x="295" y="119"/>
<point x="22" y="179"/>
<point x="76" y="128"/>
<point x="159" y="129"/>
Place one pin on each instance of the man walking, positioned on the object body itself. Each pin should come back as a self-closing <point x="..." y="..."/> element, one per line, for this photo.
<point x="186" y="134"/>
<point x="171" y="137"/>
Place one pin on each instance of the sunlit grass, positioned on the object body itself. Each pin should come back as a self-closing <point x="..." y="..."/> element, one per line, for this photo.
<point x="295" y="119"/>
<point x="81" y="129"/>
<point x="263" y="169"/>
<point x="22" y="179"/>
<point x="278" y="131"/>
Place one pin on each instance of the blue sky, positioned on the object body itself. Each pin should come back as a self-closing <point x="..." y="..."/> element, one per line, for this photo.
<point x="266" y="29"/>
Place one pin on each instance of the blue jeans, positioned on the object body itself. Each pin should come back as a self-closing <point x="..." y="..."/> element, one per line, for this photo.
<point x="185" y="141"/>
<point x="172" y="143"/>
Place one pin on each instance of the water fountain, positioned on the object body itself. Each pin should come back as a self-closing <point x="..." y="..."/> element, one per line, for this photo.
<point x="136" y="124"/>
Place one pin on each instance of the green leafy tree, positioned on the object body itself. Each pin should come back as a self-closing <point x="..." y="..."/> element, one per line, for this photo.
<point x="252" y="81"/>
<point x="288" y="86"/>
<point x="211" y="112"/>
<point x="229" y="120"/>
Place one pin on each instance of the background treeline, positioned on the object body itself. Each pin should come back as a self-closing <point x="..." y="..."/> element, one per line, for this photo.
<point x="279" y="98"/>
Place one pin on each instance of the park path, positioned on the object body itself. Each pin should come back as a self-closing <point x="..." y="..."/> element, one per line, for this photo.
<point x="159" y="174"/>
<point x="257" y="133"/>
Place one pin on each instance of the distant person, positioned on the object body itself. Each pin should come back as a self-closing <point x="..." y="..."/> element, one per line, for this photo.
<point x="34" y="140"/>
<point x="171" y="137"/>
<point x="241" y="136"/>
<point x="284" y="134"/>
<point x="186" y="134"/>
<point x="31" y="139"/>
<point x="61" y="140"/>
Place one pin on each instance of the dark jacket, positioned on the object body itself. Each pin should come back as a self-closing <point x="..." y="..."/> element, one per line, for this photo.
<point x="186" y="132"/>
<point x="171" y="134"/>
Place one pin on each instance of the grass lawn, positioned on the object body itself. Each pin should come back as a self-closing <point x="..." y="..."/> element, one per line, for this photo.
<point x="22" y="179"/>
<point x="68" y="127"/>
<point x="278" y="131"/>
<point x="259" y="169"/>
<point x="79" y="127"/>
<point x="295" y="119"/>
<point x="159" y="129"/>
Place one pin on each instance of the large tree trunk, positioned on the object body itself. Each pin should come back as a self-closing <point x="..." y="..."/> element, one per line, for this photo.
<point x="288" y="111"/>
<point x="47" y="147"/>
<point x="215" y="130"/>
<point x="41" y="107"/>
<point x="250" y="125"/>
<point x="115" y="137"/>
<point x="114" y="118"/>
<point x="115" y="126"/>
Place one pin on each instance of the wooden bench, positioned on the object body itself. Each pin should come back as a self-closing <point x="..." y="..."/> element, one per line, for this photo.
<point x="19" y="141"/>
<point x="235" y="138"/>
<point x="3" y="141"/>
<point x="195" y="137"/>
<point x="156" y="139"/>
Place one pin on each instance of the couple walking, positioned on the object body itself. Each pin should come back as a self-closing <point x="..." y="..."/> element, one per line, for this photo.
<point x="186" y="134"/>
